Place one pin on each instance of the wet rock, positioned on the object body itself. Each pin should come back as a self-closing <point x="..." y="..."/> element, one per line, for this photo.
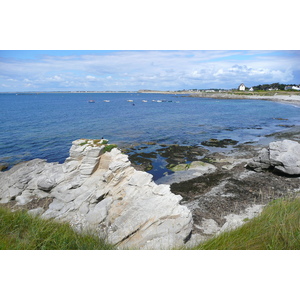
<point x="3" y="167"/>
<point x="143" y="160"/>
<point x="185" y="172"/>
<point x="219" y="143"/>
<point x="176" y="154"/>
<point x="283" y="125"/>
<point x="220" y="195"/>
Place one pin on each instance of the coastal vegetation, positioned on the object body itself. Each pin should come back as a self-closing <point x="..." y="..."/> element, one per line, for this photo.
<point x="108" y="148"/>
<point x="277" y="228"/>
<point x="97" y="143"/>
<point x="21" y="231"/>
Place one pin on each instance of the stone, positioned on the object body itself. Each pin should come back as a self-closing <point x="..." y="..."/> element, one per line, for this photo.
<point x="102" y="192"/>
<point x="234" y="221"/>
<point x="100" y="211"/>
<point x="209" y="226"/>
<point x="24" y="198"/>
<point x="282" y="156"/>
<point x="46" y="184"/>
<point x="285" y="156"/>
<point x="196" y="169"/>
<point x="36" y="211"/>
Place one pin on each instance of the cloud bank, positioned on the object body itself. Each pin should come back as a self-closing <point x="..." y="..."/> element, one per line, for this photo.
<point x="134" y="70"/>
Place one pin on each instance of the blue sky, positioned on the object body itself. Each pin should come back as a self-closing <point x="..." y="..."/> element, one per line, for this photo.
<point x="131" y="70"/>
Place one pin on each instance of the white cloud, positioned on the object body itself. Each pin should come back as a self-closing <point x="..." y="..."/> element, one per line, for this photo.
<point x="154" y="69"/>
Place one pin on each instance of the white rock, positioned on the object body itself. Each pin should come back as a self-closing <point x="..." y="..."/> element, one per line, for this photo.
<point x="103" y="192"/>
<point x="100" y="212"/>
<point x="36" y="211"/>
<point x="209" y="226"/>
<point x="46" y="184"/>
<point x="285" y="156"/>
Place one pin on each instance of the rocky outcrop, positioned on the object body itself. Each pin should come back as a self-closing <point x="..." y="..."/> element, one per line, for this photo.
<point x="100" y="190"/>
<point x="183" y="172"/>
<point x="282" y="156"/>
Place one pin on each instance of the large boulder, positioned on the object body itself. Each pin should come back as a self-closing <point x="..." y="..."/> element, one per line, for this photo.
<point x="282" y="156"/>
<point x="101" y="191"/>
<point x="285" y="156"/>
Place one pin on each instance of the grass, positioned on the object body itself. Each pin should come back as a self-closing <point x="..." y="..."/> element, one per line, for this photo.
<point x="277" y="228"/>
<point x="108" y="148"/>
<point x="21" y="231"/>
<point x="94" y="143"/>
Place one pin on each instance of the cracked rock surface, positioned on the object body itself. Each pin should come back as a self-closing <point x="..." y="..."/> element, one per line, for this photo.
<point x="100" y="190"/>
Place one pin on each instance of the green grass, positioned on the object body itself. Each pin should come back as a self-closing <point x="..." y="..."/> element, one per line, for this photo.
<point x="277" y="228"/>
<point x="108" y="148"/>
<point x="21" y="231"/>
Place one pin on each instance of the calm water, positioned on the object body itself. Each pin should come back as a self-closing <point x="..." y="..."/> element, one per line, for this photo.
<point x="44" y="125"/>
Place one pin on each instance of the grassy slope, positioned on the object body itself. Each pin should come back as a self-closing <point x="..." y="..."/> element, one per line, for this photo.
<point x="20" y="231"/>
<point x="277" y="228"/>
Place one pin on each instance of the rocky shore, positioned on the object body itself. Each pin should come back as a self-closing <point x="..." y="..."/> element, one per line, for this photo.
<point x="222" y="189"/>
<point x="97" y="188"/>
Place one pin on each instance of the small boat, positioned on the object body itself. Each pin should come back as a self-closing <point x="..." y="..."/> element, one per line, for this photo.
<point x="144" y="100"/>
<point x="106" y="100"/>
<point x="91" y="101"/>
<point x="158" y="100"/>
<point x="129" y="100"/>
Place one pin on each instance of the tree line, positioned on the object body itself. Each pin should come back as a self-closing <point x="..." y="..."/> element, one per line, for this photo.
<point x="277" y="85"/>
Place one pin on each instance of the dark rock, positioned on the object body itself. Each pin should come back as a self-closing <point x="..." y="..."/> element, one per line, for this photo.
<point x="219" y="143"/>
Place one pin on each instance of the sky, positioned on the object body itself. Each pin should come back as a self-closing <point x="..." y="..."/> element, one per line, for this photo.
<point x="132" y="70"/>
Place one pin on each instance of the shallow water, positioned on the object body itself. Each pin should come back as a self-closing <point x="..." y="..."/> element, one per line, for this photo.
<point x="44" y="125"/>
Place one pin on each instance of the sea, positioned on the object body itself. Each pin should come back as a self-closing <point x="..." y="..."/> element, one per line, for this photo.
<point x="43" y="125"/>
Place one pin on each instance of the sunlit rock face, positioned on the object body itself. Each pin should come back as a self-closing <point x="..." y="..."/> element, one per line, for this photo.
<point x="100" y="190"/>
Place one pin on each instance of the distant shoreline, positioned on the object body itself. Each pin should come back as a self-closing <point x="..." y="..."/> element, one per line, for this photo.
<point x="288" y="99"/>
<point x="277" y="97"/>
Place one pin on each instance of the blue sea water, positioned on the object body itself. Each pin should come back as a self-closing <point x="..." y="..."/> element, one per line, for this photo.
<point x="44" y="125"/>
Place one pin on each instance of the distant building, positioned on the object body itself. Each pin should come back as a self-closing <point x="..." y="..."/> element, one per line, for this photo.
<point x="242" y="87"/>
<point x="251" y="89"/>
<point x="292" y="87"/>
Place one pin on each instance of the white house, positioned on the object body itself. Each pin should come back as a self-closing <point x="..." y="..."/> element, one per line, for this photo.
<point x="297" y="88"/>
<point x="251" y="89"/>
<point x="242" y="87"/>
